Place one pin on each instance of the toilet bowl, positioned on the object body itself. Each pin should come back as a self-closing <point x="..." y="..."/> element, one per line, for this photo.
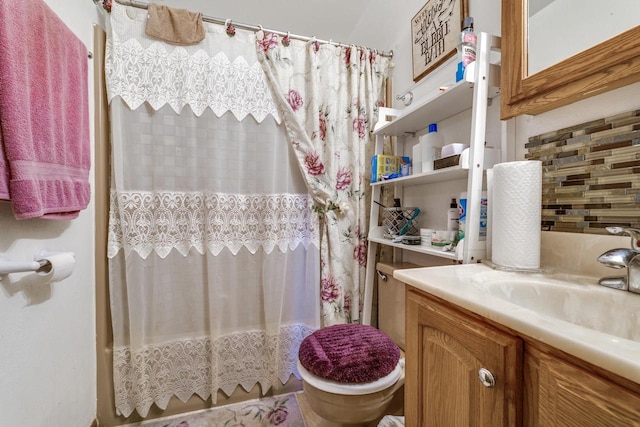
<point x="351" y="404"/>
<point x="344" y="401"/>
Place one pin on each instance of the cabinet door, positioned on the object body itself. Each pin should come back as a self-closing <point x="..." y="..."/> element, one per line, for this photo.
<point x="559" y="394"/>
<point x="445" y="351"/>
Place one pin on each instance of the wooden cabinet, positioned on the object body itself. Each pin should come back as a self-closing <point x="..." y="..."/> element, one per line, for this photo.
<point x="562" y="394"/>
<point x="535" y="384"/>
<point x="445" y="352"/>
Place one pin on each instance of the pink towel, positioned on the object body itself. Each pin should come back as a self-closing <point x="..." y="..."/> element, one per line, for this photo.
<point x="45" y="152"/>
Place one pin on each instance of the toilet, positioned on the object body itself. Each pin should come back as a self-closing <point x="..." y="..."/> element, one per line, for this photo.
<point x="350" y="373"/>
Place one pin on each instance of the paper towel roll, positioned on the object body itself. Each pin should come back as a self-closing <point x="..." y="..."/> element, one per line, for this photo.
<point x="489" y="241"/>
<point x="516" y="214"/>
<point x="60" y="266"/>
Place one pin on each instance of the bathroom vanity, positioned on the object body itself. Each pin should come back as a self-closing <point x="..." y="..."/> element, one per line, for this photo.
<point x="491" y="348"/>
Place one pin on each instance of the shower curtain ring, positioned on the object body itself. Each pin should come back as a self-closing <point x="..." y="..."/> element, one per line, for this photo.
<point x="337" y="50"/>
<point x="229" y="28"/>
<point x="260" y="33"/>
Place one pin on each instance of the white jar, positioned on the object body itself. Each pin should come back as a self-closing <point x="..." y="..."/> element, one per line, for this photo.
<point x="425" y="234"/>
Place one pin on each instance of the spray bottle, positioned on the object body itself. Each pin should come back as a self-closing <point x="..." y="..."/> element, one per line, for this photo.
<point x="466" y="47"/>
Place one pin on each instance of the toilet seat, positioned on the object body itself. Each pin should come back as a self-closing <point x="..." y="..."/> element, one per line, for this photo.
<point x="349" y="353"/>
<point x="352" y="389"/>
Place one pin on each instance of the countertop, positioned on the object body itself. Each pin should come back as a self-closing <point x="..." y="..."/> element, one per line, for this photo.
<point x="465" y="286"/>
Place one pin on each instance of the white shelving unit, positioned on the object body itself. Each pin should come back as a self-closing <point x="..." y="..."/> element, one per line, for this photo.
<point x="375" y="236"/>
<point x="440" y="175"/>
<point x="480" y="84"/>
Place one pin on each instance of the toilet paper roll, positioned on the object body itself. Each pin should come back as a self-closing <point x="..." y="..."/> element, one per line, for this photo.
<point x="60" y="266"/>
<point x="516" y="214"/>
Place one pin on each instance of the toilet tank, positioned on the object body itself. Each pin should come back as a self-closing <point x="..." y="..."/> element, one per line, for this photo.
<point x="391" y="301"/>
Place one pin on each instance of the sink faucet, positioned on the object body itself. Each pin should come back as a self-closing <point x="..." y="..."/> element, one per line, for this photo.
<point x="620" y="258"/>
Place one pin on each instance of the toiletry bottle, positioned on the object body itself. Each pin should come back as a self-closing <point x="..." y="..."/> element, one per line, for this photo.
<point x="463" y="216"/>
<point x="431" y="147"/>
<point x="416" y="160"/>
<point x="452" y="217"/>
<point x="466" y="47"/>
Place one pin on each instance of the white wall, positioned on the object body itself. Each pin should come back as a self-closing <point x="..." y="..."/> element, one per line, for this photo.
<point x="47" y="333"/>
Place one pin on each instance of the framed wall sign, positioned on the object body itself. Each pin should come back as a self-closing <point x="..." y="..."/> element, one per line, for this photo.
<point x="434" y="32"/>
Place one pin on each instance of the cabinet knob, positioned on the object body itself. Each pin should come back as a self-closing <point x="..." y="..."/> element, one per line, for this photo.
<point x="486" y="377"/>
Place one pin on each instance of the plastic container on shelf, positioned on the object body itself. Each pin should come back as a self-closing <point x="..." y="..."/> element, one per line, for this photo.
<point x="416" y="160"/>
<point x="442" y="238"/>
<point x="400" y="221"/>
<point x="426" y="234"/>
<point x="453" y="149"/>
<point x="431" y="147"/>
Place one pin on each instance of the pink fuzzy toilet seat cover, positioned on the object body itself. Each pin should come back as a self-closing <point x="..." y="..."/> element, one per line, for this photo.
<point x="349" y="353"/>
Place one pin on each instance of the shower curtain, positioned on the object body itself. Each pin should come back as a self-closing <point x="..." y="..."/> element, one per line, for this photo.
<point x="213" y="245"/>
<point x="329" y="98"/>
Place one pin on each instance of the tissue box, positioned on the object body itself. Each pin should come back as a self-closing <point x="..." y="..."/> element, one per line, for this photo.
<point x="382" y="164"/>
<point x="446" y="162"/>
<point x="453" y="149"/>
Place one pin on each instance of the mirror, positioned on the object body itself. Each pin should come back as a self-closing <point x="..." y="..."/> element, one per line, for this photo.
<point x="594" y="70"/>
<point x="593" y="22"/>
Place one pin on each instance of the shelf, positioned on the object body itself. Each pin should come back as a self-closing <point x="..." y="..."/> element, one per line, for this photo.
<point x="433" y="251"/>
<point x="481" y="83"/>
<point x="443" y="105"/>
<point x="440" y="175"/>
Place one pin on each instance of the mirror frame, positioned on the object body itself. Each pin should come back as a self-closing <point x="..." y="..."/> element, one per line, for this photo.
<point x="606" y="66"/>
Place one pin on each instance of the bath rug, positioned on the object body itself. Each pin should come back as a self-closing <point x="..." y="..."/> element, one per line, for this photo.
<point x="281" y="411"/>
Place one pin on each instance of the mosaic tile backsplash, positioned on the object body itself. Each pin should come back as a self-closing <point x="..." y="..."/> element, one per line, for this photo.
<point x="590" y="174"/>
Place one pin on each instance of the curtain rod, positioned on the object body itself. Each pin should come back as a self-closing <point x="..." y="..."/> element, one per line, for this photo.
<point x="142" y="5"/>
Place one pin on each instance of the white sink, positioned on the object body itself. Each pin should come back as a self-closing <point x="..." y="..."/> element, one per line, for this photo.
<point x="592" y="306"/>
<point x="574" y="314"/>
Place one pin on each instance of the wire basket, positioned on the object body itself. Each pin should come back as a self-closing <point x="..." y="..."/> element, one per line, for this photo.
<point x="400" y="222"/>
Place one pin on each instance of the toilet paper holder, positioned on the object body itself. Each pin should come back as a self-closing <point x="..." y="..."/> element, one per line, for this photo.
<point x="39" y="263"/>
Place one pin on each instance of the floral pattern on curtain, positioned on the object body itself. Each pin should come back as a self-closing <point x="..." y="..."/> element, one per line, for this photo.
<point x="328" y="98"/>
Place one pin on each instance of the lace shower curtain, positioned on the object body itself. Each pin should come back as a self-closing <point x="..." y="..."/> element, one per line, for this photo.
<point x="329" y="98"/>
<point x="213" y="247"/>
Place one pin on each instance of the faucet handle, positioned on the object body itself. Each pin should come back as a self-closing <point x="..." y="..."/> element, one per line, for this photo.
<point x="634" y="233"/>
